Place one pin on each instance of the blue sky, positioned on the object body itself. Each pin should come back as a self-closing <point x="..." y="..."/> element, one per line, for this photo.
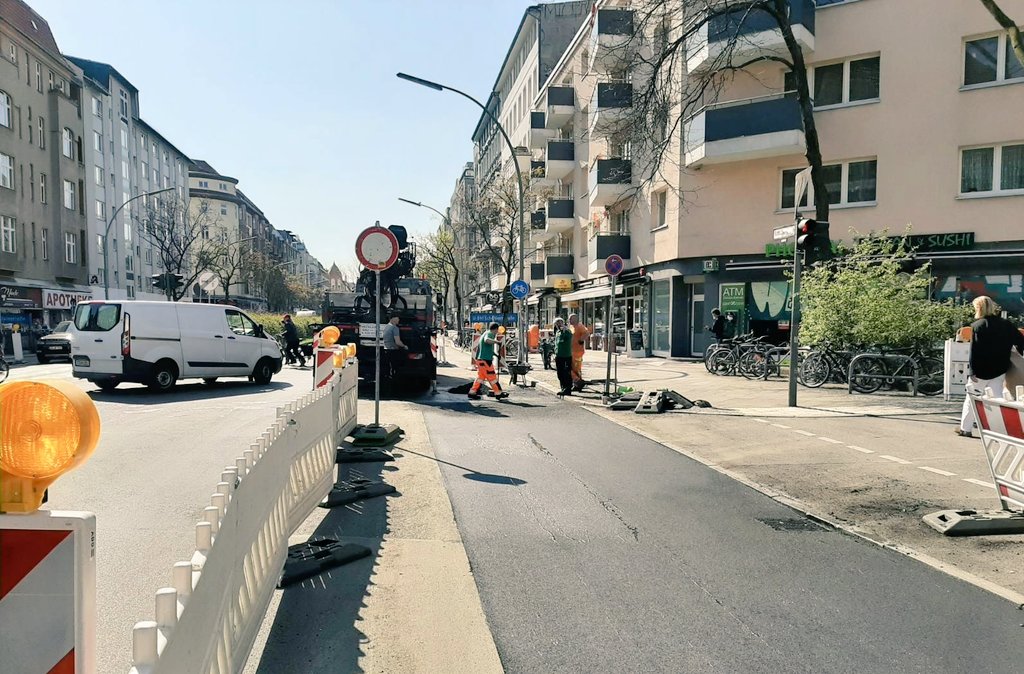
<point x="299" y="100"/>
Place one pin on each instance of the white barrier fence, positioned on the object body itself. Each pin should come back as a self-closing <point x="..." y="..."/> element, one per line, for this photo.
<point x="1001" y="423"/>
<point x="207" y="621"/>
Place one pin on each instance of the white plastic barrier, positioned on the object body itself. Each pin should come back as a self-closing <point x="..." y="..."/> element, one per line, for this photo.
<point x="1001" y="422"/>
<point x="207" y="622"/>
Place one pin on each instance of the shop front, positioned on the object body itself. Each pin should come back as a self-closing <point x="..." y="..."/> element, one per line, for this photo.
<point x="629" y="322"/>
<point x="20" y="310"/>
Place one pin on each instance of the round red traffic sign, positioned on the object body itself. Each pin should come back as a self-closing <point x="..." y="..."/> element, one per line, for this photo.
<point x="376" y="248"/>
<point x="614" y="265"/>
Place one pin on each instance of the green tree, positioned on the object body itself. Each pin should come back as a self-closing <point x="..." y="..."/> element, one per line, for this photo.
<point x="875" y="294"/>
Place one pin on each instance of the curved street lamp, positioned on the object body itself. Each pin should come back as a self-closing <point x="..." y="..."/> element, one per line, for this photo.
<point x="106" y="235"/>
<point x="521" y="329"/>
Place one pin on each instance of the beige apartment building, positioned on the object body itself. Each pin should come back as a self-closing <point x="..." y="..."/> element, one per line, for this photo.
<point x="43" y="257"/>
<point x="918" y="116"/>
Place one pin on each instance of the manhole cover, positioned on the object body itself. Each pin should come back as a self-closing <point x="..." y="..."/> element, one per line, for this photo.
<point x="792" y="524"/>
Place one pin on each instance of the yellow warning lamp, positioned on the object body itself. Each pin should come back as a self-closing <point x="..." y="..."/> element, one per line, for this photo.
<point x="329" y="336"/>
<point x="351" y="350"/>
<point x="339" y="359"/>
<point x="501" y="329"/>
<point x="46" y="429"/>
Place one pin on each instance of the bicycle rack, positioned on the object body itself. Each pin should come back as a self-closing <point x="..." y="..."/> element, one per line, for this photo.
<point x="897" y="357"/>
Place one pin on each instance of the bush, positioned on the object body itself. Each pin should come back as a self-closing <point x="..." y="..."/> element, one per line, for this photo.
<point x="272" y="324"/>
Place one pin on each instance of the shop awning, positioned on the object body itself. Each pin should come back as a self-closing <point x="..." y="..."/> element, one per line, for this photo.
<point x="590" y="293"/>
<point x="46" y="285"/>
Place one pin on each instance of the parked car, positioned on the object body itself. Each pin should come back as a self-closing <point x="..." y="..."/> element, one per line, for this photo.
<point x="158" y="343"/>
<point x="56" y="345"/>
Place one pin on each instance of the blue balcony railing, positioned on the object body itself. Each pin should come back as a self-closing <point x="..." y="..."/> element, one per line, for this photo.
<point x="752" y="119"/>
<point x="560" y="264"/>
<point x="614" y="22"/>
<point x="614" y="95"/>
<point x="561" y="96"/>
<point x="749" y="21"/>
<point x="561" y="208"/>
<point x="561" y="150"/>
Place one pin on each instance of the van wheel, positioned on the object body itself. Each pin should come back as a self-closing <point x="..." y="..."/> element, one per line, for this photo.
<point x="107" y="384"/>
<point x="42" y="360"/>
<point x="165" y="375"/>
<point x="209" y="381"/>
<point x="263" y="372"/>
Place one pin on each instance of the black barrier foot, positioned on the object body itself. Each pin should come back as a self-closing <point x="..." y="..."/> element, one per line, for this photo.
<point x="306" y="560"/>
<point x="976" y="522"/>
<point x="652" y="402"/>
<point x="376" y="436"/>
<point x="344" y="493"/>
<point x="362" y="455"/>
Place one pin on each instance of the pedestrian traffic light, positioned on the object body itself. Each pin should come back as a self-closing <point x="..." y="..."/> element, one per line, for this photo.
<point x="159" y="281"/>
<point x="177" y="280"/>
<point x="812" y="237"/>
<point x="46" y="429"/>
<point x="805" y="231"/>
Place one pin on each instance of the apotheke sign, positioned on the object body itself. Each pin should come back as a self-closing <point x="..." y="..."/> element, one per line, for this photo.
<point x="62" y="299"/>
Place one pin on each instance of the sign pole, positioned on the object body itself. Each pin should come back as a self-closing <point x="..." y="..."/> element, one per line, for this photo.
<point x="609" y="341"/>
<point x="376" y="359"/>
<point x="793" y="325"/>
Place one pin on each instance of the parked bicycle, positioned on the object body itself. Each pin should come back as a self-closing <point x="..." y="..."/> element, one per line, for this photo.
<point x="869" y="372"/>
<point x="825" y="362"/>
<point x="5" y="369"/>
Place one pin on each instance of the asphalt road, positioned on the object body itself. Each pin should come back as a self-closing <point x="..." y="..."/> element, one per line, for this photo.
<point x="595" y="549"/>
<point x="158" y="461"/>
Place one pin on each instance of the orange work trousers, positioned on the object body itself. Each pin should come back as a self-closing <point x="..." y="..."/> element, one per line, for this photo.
<point x="485" y="373"/>
<point x="577" y="369"/>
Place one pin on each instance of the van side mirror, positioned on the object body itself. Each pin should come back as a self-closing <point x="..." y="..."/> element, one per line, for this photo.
<point x="260" y="332"/>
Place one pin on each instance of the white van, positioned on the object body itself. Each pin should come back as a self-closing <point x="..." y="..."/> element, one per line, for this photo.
<point x="158" y="343"/>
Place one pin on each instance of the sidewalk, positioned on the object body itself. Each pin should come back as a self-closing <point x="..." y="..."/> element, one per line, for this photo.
<point x="872" y="465"/>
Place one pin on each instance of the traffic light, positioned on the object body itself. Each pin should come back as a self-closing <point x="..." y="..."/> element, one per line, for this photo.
<point x="46" y="429"/>
<point x="812" y="237"/>
<point x="177" y="280"/>
<point x="805" y="231"/>
<point x="159" y="281"/>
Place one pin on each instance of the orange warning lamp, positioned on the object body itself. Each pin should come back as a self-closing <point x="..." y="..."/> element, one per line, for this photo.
<point x="338" y="359"/>
<point x="501" y="329"/>
<point x="46" y="429"/>
<point x="329" y="336"/>
<point x="351" y="350"/>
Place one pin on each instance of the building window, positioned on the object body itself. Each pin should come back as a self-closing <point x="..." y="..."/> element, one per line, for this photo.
<point x="5" y="109"/>
<point x="44" y="242"/>
<point x="101" y="210"/>
<point x="992" y="170"/>
<point x="850" y="183"/>
<point x="98" y="175"/>
<point x="69" y="195"/>
<point x="661" y="208"/>
<point x="131" y="292"/>
<point x="852" y="81"/>
<point x="67" y="143"/>
<point x="42" y="133"/>
<point x="97" y="141"/>
<point x="70" y="248"/>
<point x="129" y="263"/>
<point x="223" y="209"/>
<point x="39" y="77"/>
<point x="206" y="233"/>
<point x="990" y="59"/>
<point x="42" y="188"/>
<point x="204" y="183"/>
<point x="224" y="187"/>
<point x="97" y="107"/>
<point x="6" y="171"/>
<point x="124" y="103"/>
<point x="99" y="244"/>
<point x="8" y="240"/>
<point x="149" y="255"/>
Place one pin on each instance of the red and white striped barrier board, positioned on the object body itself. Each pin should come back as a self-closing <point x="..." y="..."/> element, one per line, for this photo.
<point x="323" y="364"/>
<point x="48" y="593"/>
<point x="1002" y="432"/>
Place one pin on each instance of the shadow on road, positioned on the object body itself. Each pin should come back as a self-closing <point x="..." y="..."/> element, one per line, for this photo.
<point x="140" y="395"/>
<point x="315" y="629"/>
<point x="473" y="474"/>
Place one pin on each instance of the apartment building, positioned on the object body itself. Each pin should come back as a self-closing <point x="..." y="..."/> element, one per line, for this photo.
<point x="126" y="161"/>
<point x="43" y="257"/>
<point x="932" y="143"/>
<point x="539" y="41"/>
<point x="466" y="236"/>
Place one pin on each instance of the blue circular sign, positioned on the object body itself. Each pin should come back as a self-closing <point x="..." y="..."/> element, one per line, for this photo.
<point x="613" y="265"/>
<point x="519" y="289"/>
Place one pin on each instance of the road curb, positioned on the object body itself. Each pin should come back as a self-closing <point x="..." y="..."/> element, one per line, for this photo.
<point x="798" y="505"/>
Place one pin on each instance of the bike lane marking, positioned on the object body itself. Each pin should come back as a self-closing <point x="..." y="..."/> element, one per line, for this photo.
<point x="807" y="433"/>
<point x="980" y="483"/>
<point x="894" y="459"/>
<point x="937" y="471"/>
<point x="861" y="449"/>
<point x="830" y="440"/>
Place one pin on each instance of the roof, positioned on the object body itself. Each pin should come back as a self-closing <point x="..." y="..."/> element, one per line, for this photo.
<point x="100" y="72"/>
<point x="202" y="168"/>
<point x="163" y="139"/>
<point x="31" y="25"/>
<point x="249" y="202"/>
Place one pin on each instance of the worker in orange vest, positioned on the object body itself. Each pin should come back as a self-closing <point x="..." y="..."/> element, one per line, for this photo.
<point x="490" y="342"/>
<point x="580" y="335"/>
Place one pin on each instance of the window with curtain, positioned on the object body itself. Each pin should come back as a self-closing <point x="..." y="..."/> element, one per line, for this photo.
<point x="1011" y="170"/>
<point x="976" y="170"/>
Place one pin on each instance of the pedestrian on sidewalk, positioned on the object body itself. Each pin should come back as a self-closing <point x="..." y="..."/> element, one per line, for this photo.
<point x="394" y="350"/>
<point x="718" y="326"/>
<point x="580" y="335"/>
<point x="563" y="356"/>
<point x="291" y="341"/>
<point x="992" y="339"/>
<point x="489" y="342"/>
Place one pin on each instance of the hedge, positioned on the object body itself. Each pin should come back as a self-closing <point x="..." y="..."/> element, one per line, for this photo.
<point x="272" y="324"/>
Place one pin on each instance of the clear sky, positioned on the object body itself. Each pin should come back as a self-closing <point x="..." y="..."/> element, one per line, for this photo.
<point x="299" y="100"/>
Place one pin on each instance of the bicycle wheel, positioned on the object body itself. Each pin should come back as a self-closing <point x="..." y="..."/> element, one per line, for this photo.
<point x="867" y="373"/>
<point x="814" y="370"/>
<point x="930" y="372"/>
<point x="4" y="369"/>
<point x="709" y="355"/>
<point x="723" y="362"/>
<point x="752" y="364"/>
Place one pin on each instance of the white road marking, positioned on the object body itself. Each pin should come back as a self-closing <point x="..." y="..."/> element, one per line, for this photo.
<point x="894" y="459"/>
<point x="834" y="442"/>
<point x="760" y="421"/>
<point x="980" y="483"/>
<point x="937" y="471"/>
<point x="807" y="433"/>
<point x="861" y="449"/>
<point x="782" y="426"/>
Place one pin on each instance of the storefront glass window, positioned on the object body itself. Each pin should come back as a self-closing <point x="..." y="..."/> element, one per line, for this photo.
<point x="662" y="316"/>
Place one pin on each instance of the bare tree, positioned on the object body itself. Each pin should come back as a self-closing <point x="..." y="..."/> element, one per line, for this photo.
<point x="667" y="93"/>
<point x="230" y="261"/>
<point x="270" y="282"/>
<point x="439" y="261"/>
<point x="1012" y="31"/>
<point x="180" y="237"/>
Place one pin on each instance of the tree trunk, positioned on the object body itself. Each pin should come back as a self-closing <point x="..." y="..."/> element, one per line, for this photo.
<point x="1012" y="31"/>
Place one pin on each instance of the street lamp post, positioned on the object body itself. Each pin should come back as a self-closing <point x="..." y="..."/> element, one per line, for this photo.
<point x="447" y="223"/>
<point x="522" y="191"/>
<point x="106" y="235"/>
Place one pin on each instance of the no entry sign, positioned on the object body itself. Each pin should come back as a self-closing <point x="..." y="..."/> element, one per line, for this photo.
<point x="376" y="248"/>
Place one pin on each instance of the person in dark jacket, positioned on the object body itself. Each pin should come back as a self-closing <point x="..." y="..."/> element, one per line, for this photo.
<point x="992" y="337"/>
<point x="291" y="341"/>
<point x="718" y="327"/>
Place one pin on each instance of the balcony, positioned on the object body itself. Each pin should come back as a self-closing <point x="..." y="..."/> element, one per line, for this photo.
<point x="611" y="40"/>
<point x="612" y="106"/>
<point x="754" y="33"/>
<point x="538" y="220"/>
<point x="561" y="106"/>
<point x="561" y="159"/>
<point x="744" y="130"/>
<point x="560" y="217"/>
<point x="602" y="244"/>
<point x="539" y="133"/>
<point x="539" y="175"/>
<point x="559" y="271"/>
<point x="611" y="180"/>
<point x="537" y="276"/>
